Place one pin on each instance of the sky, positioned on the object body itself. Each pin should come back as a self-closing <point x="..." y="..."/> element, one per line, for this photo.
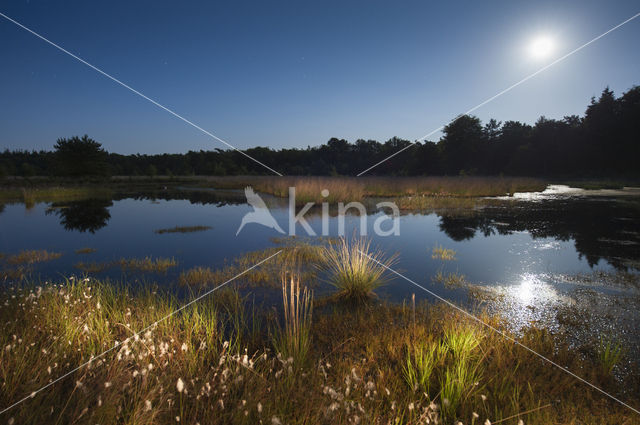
<point x="295" y="74"/>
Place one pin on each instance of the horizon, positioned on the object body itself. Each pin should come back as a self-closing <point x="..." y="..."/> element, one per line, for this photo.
<point x="288" y="77"/>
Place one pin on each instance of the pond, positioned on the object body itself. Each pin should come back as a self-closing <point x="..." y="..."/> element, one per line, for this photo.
<point x="525" y="254"/>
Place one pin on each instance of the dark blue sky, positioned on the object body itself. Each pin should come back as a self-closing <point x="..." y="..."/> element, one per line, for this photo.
<point x="295" y="74"/>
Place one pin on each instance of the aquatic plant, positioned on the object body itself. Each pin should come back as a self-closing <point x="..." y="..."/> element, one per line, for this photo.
<point x="354" y="269"/>
<point x="147" y="264"/>
<point x="32" y="256"/>
<point x="441" y="253"/>
<point x="182" y="229"/>
<point x="609" y="353"/>
<point x="198" y="276"/>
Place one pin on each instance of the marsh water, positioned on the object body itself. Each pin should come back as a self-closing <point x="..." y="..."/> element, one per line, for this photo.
<point x="526" y="255"/>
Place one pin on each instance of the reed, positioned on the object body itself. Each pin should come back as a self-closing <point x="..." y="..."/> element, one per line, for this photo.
<point x="415" y="192"/>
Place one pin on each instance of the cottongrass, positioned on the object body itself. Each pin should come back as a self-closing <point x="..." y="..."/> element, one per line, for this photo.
<point x="230" y="373"/>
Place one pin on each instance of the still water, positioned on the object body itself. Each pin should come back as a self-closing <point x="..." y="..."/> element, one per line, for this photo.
<point x="525" y="247"/>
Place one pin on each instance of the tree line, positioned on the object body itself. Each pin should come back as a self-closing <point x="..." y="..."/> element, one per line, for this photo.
<point x="605" y="142"/>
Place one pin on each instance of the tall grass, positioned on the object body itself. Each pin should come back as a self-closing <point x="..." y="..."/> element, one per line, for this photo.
<point x="33" y="195"/>
<point x="420" y="365"/>
<point x="346" y="189"/>
<point x="213" y="363"/>
<point x="292" y="340"/>
<point x="609" y="354"/>
<point x="354" y="269"/>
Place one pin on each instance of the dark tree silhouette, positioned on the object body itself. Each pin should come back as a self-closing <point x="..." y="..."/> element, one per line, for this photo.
<point x="605" y="143"/>
<point x="80" y="157"/>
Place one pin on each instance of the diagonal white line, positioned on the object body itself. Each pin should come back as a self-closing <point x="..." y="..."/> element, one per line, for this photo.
<point x="137" y="333"/>
<point x="511" y="87"/>
<point x="175" y="114"/>
<point x="466" y="313"/>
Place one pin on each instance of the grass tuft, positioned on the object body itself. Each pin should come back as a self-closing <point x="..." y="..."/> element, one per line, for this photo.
<point x="355" y="269"/>
<point x="609" y="354"/>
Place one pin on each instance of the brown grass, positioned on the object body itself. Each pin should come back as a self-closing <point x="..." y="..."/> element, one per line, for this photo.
<point x="32" y="256"/>
<point x="213" y="363"/>
<point x="346" y="189"/>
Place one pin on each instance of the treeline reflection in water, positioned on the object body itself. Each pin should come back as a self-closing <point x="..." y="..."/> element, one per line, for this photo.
<point x="601" y="228"/>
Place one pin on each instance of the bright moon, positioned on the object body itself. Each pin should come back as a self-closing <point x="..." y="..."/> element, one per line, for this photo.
<point x="541" y="47"/>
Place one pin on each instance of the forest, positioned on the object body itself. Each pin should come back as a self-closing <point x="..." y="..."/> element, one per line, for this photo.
<point x="602" y="143"/>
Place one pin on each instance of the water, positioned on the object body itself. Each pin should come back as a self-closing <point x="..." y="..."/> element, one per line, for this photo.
<point x="522" y="248"/>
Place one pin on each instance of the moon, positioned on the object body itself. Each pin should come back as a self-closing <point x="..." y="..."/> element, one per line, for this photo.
<point x="541" y="47"/>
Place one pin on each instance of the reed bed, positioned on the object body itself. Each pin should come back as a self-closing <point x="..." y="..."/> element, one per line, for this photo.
<point x="33" y="195"/>
<point x="346" y="189"/>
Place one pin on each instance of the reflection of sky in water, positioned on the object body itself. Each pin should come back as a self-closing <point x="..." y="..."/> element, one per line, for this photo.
<point x="514" y="259"/>
<point x="514" y="273"/>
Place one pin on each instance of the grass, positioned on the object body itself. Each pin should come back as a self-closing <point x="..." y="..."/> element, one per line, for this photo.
<point x="142" y="265"/>
<point x="292" y="339"/>
<point x="444" y="254"/>
<point x="215" y="363"/>
<point x="306" y="253"/>
<point x="422" y="359"/>
<point x="33" y="195"/>
<point x="86" y="250"/>
<point x="28" y="257"/>
<point x="182" y="229"/>
<point x="346" y="189"/>
<point x="147" y="264"/>
<point x="354" y="269"/>
<point x="609" y="354"/>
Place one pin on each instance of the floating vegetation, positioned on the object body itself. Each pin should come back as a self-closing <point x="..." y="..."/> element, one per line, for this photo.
<point x="147" y="264"/>
<point x="451" y="279"/>
<point x="32" y="257"/>
<point x="444" y="254"/>
<point x="92" y="267"/>
<point x="182" y="229"/>
<point x="86" y="250"/>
